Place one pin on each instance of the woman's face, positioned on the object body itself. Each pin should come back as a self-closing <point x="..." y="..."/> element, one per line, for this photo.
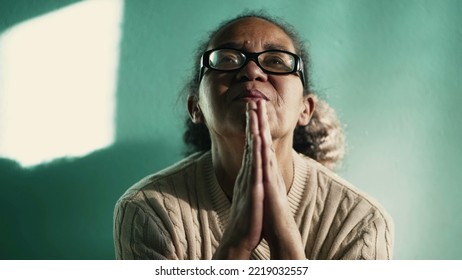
<point x="223" y="95"/>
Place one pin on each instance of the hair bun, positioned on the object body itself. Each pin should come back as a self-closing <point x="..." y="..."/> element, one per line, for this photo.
<point x="323" y="138"/>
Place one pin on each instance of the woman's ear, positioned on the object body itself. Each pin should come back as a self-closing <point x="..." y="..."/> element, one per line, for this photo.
<point x="307" y="110"/>
<point x="194" y="110"/>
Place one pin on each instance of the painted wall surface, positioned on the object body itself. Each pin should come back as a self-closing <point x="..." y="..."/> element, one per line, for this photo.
<point x="391" y="69"/>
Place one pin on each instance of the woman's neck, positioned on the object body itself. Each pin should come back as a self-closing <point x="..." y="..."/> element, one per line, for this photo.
<point x="227" y="161"/>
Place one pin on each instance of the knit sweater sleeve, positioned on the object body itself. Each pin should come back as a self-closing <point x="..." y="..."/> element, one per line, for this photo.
<point x="139" y="233"/>
<point x="370" y="239"/>
<point x="360" y="229"/>
<point x="345" y="223"/>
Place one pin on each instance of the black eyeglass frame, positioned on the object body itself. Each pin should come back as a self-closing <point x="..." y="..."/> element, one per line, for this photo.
<point x="298" y="67"/>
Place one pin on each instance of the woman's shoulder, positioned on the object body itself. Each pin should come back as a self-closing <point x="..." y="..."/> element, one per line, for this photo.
<point x="333" y="188"/>
<point x="174" y="176"/>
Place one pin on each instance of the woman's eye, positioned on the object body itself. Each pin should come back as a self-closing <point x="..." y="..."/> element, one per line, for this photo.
<point x="227" y="59"/>
<point x="276" y="63"/>
<point x="275" y="60"/>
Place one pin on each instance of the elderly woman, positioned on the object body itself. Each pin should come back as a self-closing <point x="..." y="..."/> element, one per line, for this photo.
<point x="257" y="186"/>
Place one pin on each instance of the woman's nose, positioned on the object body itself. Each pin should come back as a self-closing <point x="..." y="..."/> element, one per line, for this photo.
<point x="252" y="72"/>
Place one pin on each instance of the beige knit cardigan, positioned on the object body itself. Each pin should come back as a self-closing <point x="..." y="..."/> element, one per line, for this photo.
<point x="181" y="213"/>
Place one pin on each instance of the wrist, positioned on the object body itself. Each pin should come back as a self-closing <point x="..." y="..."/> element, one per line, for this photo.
<point x="285" y="242"/>
<point x="287" y="251"/>
<point x="229" y="252"/>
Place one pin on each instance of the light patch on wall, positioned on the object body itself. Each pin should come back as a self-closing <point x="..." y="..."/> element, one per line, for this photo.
<point x="58" y="77"/>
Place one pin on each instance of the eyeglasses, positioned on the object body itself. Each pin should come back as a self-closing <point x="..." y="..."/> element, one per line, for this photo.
<point x="271" y="61"/>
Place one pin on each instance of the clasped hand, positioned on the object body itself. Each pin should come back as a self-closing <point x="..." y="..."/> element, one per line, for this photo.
<point x="260" y="208"/>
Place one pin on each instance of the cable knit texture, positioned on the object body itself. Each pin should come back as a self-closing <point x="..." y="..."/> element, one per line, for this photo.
<point x="181" y="213"/>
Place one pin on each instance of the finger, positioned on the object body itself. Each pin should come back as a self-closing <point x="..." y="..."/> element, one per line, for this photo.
<point x="246" y="159"/>
<point x="252" y="118"/>
<point x="265" y="139"/>
<point x="272" y="178"/>
<point x="251" y="130"/>
<point x="256" y="143"/>
<point x="257" y="192"/>
<point x="264" y="124"/>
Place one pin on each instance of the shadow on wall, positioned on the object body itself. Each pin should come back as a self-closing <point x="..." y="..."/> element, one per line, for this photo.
<point x="63" y="210"/>
<point x="15" y="11"/>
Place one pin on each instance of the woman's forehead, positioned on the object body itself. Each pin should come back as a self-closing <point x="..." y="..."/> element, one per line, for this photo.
<point x="252" y="32"/>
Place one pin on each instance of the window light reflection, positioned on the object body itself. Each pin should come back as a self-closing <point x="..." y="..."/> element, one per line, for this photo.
<point x="58" y="76"/>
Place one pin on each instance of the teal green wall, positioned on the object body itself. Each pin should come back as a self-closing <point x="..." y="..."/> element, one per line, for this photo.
<point x="391" y="69"/>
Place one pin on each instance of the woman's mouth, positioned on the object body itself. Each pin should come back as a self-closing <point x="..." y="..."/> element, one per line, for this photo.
<point x="251" y="94"/>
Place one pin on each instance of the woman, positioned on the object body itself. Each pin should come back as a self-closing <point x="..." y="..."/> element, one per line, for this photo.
<point x="247" y="194"/>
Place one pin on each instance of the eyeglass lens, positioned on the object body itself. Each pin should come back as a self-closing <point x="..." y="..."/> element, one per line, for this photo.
<point x="274" y="61"/>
